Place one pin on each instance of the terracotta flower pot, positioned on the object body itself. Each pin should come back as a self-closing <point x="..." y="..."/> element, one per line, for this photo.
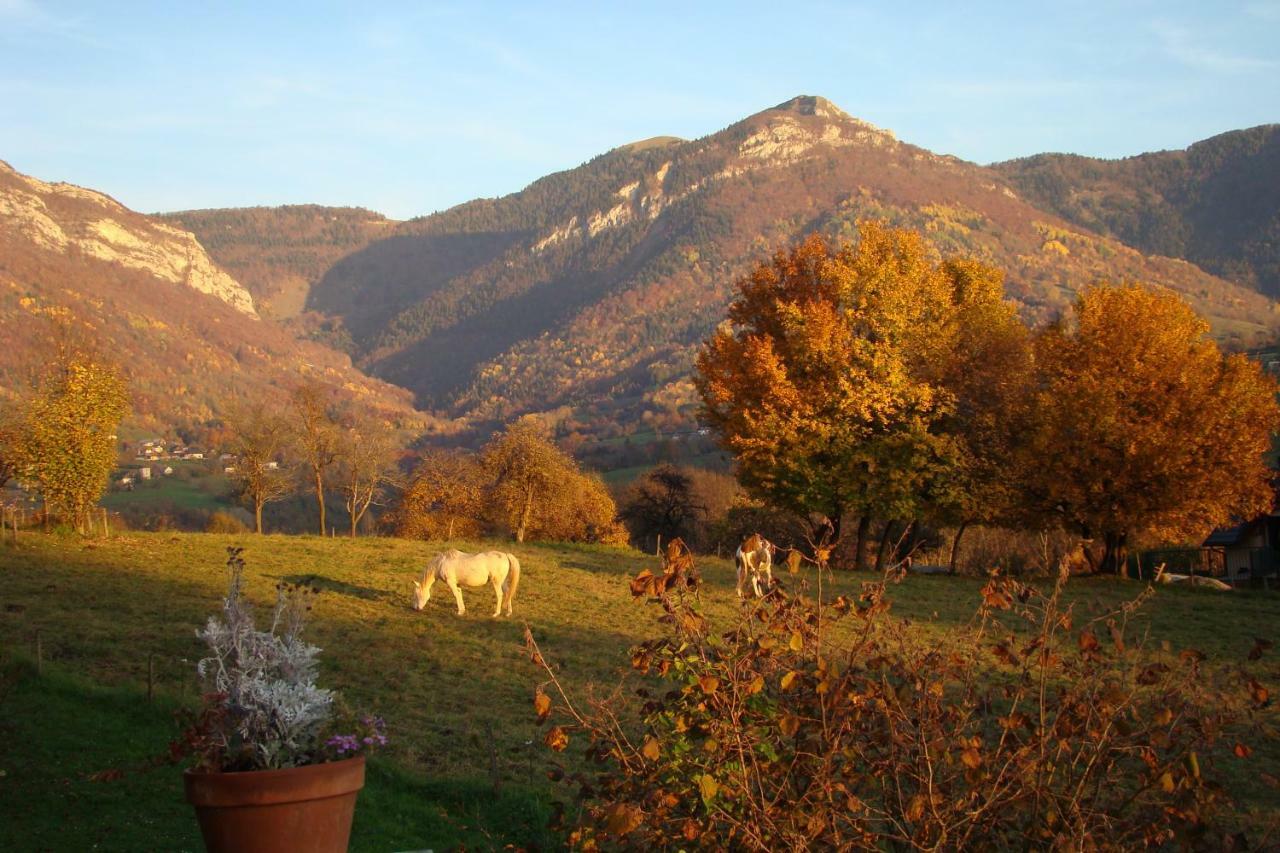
<point x="268" y="811"/>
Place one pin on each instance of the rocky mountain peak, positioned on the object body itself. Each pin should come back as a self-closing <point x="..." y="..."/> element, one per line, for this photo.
<point x="812" y="105"/>
<point x="818" y="107"/>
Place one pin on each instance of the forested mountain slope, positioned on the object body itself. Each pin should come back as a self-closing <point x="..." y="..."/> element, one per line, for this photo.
<point x="592" y="288"/>
<point x="277" y="253"/>
<point x="1216" y="204"/>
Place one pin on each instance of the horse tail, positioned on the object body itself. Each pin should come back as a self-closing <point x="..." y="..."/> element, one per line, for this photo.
<point x="513" y="580"/>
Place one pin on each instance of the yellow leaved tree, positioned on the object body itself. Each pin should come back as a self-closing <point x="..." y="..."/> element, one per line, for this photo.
<point x="66" y="444"/>
<point x="1139" y="424"/>
<point x="538" y="491"/>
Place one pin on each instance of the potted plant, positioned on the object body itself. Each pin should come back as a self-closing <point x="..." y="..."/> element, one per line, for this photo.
<point x="279" y="763"/>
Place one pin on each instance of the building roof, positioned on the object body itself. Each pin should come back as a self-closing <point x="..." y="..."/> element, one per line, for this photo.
<point x="1227" y="535"/>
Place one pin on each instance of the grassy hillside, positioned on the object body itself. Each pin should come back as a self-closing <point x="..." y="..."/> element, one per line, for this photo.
<point x="443" y="683"/>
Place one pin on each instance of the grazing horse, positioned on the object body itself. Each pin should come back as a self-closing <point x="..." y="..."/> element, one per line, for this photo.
<point x="754" y="560"/>
<point x="459" y="569"/>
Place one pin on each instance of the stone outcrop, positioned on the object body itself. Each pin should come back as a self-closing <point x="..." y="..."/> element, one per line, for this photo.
<point x="64" y="218"/>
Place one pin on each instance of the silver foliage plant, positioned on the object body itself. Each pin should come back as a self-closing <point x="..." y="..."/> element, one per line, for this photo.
<point x="266" y="680"/>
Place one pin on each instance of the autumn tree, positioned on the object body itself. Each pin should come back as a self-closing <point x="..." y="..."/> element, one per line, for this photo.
<point x="316" y="435"/>
<point x="444" y="498"/>
<point x="260" y="438"/>
<point x="988" y="375"/>
<point x="366" y="465"/>
<point x="66" y="438"/>
<point x="827" y="382"/>
<point x="580" y="509"/>
<point x="10" y="435"/>
<point x="1140" y="425"/>
<point x="538" y="490"/>
<point x="662" y="503"/>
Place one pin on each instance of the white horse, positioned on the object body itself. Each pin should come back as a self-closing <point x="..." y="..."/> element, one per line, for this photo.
<point x="754" y="561"/>
<point x="459" y="569"/>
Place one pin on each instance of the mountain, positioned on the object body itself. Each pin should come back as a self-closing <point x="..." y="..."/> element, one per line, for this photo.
<point x="187" y="334"/>
<point x="278" y="252"/>
<point x="589" y="291"/>
<point x="1216" y="204"/>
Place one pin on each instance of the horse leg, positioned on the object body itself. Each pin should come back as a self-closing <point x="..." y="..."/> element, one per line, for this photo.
<point x="457" y="593"/>
<point x="741" y="581"/>
<point x="497" y="591"/>
<point x="755" y="583"/>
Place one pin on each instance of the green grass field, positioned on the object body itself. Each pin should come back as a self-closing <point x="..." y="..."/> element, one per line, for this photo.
<point x="444" y="683"/>
<point x="201" y="493"/>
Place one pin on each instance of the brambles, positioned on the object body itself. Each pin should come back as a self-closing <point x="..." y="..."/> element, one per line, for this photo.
<point x="813" y="724"/>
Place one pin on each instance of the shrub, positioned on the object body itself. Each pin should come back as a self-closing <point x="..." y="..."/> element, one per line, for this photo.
<point x="1032" y="731"/>
<point x="225" y="522"/>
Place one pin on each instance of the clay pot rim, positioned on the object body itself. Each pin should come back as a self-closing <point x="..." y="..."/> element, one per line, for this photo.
<point x="241" y="788"/>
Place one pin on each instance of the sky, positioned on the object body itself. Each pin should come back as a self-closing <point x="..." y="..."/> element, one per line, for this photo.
<point x="407" y="109"/>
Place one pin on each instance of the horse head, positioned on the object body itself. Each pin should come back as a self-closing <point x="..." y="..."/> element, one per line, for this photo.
<point x="419" y="595"/>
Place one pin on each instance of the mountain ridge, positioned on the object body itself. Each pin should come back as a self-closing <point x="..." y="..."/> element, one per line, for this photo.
<point x="1215" y="203"/>
<point x="592" y="287"/>
<point x="145" y="293"/>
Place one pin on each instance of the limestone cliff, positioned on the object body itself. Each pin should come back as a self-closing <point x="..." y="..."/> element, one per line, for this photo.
<point x="64" y="218"/>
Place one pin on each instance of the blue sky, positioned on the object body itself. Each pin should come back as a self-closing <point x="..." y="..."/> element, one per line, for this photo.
<point x="413" y="108"/>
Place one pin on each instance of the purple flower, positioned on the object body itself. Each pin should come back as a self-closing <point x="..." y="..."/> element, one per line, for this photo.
<point x="344" y="743"/>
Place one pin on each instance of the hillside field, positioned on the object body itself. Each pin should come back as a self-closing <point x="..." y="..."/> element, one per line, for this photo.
<point x="445" y="684"/>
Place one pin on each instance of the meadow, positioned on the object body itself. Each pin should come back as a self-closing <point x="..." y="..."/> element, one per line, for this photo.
<point x="466" y="764"/>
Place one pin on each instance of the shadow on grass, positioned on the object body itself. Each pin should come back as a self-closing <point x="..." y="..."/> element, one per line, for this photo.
<point x="62" y="729"/>
<point x="325" y="584"/>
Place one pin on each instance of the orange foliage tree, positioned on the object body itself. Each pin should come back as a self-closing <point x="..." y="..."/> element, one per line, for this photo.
<point x="1139" y="424"/>
<point x="835" y="382"/>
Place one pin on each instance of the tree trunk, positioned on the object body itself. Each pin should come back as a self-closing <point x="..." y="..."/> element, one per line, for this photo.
<point x="320" y="498"/>
<point x="955" y="547"/>
<point x="1115" y="552"/>
<point x="361" y="507"/>
<point x="525" y="514"/>
<point x="450" y="534"/>
<point x="860" y="544"/>
<point x="907" y="545"/>
<point x="257" y="516"/>
<point x="886" y="535"/>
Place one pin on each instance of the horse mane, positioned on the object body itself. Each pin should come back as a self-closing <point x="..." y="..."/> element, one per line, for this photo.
<point x="434" y="564"/>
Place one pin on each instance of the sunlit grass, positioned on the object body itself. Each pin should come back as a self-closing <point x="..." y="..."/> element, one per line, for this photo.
<point x="444" y="683"/>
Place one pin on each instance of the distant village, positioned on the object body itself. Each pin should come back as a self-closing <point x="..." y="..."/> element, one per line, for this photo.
<point x="155" y="454"/>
